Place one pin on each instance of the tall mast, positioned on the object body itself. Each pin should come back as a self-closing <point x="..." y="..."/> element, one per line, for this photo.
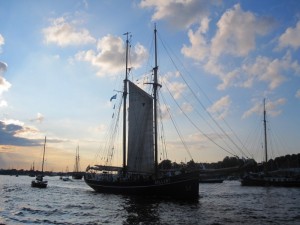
<point x="266" y="145"/>
<point x="155" y="85"/>
<point x="124" y="106"/>
<point x="43" y="156"/>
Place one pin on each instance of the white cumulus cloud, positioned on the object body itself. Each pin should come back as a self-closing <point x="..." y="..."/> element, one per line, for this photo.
<point x="271" y="71"/>
<point x="291" y="37"/>
<point x="109" y="57"/>
<point x="179" y="13"/>
<point x="220" y="108"/>
<point x="237" y="31"/>
<point x="199" y="48"/>
<point x="4" y="84"/>
<point x="64" y="33"/>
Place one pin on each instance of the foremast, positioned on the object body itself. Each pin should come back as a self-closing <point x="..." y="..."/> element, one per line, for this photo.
<point x="125" y="93"/>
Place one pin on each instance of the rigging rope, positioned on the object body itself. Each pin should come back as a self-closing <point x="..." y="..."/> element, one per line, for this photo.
<point x="179" y="134"/>
<point x="211" y="117"/>
<point x="207" y="136"/>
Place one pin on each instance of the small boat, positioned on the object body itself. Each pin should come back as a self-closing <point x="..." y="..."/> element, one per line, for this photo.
<point x="77" y="175"/>
<point x="39" y="182"/>
<point x="66" y="176"/>
<point x="140" y="174"/>
<point x="268" y="178"/>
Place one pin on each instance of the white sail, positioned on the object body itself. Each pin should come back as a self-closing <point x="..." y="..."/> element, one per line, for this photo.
<point x="140" y="131"/>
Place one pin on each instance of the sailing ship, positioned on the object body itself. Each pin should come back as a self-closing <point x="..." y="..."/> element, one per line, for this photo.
<point x="267" y="178"/>
<point x="77" y="175"/>
<point x="31" y="171"/>
<point x="140" y="173"/>
<point x="39" y="182"/>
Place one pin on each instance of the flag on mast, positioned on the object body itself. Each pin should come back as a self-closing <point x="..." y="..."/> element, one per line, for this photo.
<point x="113" y="97"/>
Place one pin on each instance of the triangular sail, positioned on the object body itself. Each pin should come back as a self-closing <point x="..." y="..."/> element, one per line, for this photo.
<point x="140" y="131"/>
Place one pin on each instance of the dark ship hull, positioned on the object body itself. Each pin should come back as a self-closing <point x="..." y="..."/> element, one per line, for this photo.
<point x="77" y="176"/>
<point x="270" y="181"/>
<point x="183" y="186"/>
<point x="211" y="180"/>
<point x="39" y="184"/>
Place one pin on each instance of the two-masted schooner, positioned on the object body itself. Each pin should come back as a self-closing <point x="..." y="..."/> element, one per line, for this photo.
<point x="77" y="174"/>
<point x="266" y="178"/>
<point x="140" y="173"/>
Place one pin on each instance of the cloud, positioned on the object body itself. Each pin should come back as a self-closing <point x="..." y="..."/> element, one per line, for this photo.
<point x="4" y="84"/>
<point x="179" y="14"/>
<point x="11" y="132"/>
<point x="237" y="40"/>
<point x="291" y="37"/>
<point x="269" y="70"/>
<point x="164" y="111"/>
<point x="64" y="33"/>
<point x="39" y="118"/>
<point x="220" y="108"/>
<point x="1" y="40"/>
<point x="199" y="48"/>
<point x="109" y="57"/>
<point x="263" y="69"/>
<point x="234" y="40"/>
<point x="271" y="108"/>
<point x="176" y="88"/>
<point x="187" y="107"/>
<point x="3" y="103"/>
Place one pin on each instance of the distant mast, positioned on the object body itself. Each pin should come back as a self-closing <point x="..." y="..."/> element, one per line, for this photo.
<point x="43" y="156"/>
<point x="266" y="145"/>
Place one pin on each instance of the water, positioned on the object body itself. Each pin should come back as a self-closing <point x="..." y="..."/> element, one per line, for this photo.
<point x="75" y="203"/>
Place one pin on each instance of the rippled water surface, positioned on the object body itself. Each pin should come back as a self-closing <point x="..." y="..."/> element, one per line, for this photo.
<point x="74" y="202"/>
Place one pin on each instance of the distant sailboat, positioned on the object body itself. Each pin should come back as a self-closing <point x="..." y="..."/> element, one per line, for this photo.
<point x="31" y="171"/>
<point x="266" y="178"/>
<point x="140" y="174"/>
<point x="39" y="182"/>
<point x="77" y="175"/>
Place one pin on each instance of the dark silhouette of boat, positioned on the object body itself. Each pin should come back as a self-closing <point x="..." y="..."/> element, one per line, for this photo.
<point x="269" y="178"/>
<point x="31" y="171"/>
<point x="39" y="182"/>
<point x="140" y="174"/>
<point x="77" y="175"/>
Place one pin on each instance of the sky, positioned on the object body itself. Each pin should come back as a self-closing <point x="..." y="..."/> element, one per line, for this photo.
<point x="62" y="61"/>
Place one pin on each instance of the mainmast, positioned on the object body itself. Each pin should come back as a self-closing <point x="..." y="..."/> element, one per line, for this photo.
<point x="266" y="145"/>
<point x="155" y="85"/>
<point x="124" y="106"/>
<point x="43" y="156"/>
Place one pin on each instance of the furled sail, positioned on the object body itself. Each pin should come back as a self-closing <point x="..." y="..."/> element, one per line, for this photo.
<point x="140" y="131"/>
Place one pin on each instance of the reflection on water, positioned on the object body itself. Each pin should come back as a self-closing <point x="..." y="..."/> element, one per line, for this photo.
<point x="76" y="203"/>
<point x="141" y="210"/>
